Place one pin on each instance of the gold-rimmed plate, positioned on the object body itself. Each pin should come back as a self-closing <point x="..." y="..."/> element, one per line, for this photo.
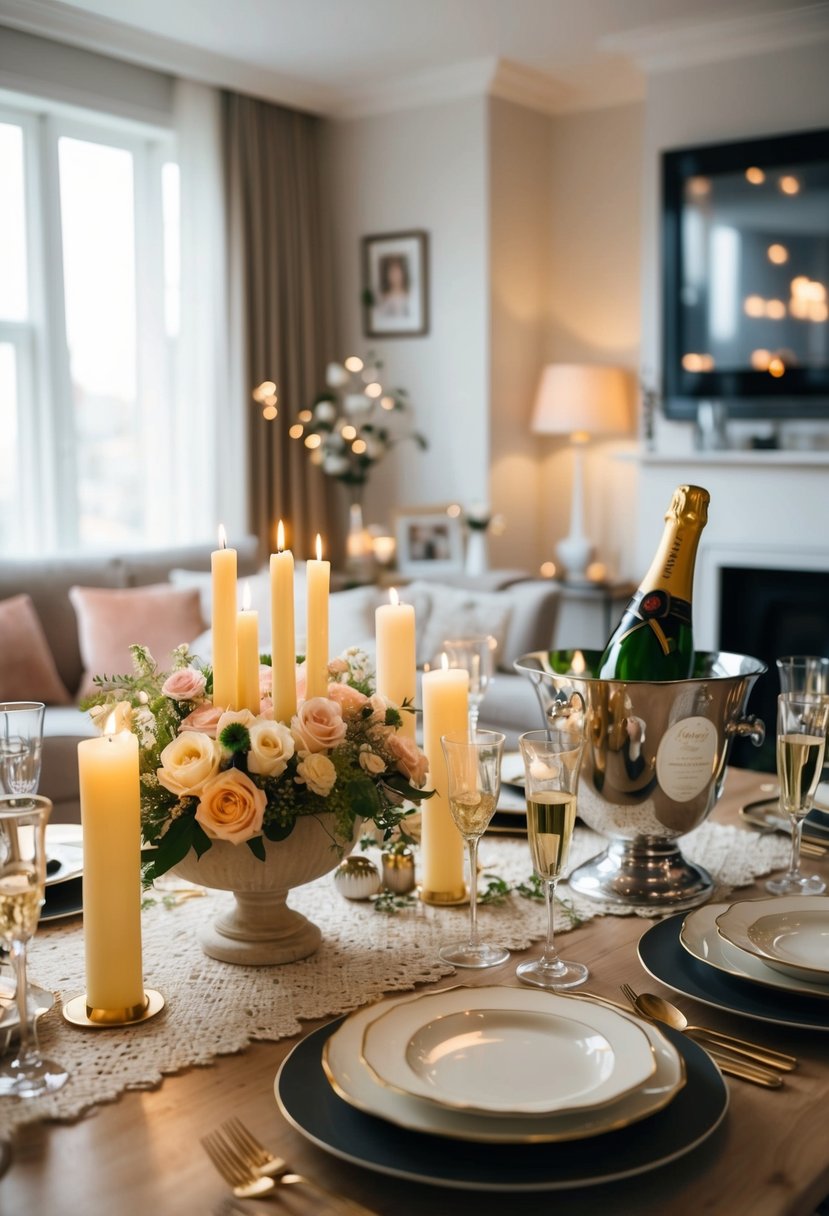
<point x="508" y="1051"/>
<point x="788" y="934"/>
<point x="352" y="1081"/>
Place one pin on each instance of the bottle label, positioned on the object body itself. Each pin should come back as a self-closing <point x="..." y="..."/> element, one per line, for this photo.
<point x="685" y="758"/>
<point x="650" y="610"/>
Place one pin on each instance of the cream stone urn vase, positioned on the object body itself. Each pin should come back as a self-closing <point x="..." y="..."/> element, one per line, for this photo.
<point x="260" y="929"/>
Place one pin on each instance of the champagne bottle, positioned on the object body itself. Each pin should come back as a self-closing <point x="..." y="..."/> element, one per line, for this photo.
<point x="654" y="639"/>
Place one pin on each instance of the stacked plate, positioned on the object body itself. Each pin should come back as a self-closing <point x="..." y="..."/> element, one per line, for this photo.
<point x="507" y="1071"/>
<point x="64" y="871"/>
<point x="766" y="958"/>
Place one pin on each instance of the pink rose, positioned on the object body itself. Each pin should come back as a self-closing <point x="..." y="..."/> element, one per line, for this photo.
<point x="409" y="759"/>
<point x="318" y="725"/>
<point x="186" y="684"/>
<point x="265" y="680"/>
<point x="204" y="718"/>
<point x="349" y="699"/>
<point x="231" y="807"/>
<point x="301" y="681"/>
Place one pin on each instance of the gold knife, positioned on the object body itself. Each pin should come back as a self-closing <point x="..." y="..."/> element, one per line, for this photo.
<point x="745" y="1071"/>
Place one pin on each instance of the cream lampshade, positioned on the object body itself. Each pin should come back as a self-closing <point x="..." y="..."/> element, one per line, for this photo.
<point x="583" y="402"/>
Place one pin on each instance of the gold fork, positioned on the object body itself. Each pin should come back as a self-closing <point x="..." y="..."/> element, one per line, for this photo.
<point x="250" y="1170"/>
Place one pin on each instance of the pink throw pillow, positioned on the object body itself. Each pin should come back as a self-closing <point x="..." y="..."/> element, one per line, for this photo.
<point x="27" y="668"/>
<point x="159" y="617"/>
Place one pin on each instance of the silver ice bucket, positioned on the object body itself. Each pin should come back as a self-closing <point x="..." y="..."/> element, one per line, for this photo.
<point x="653" y="767"/>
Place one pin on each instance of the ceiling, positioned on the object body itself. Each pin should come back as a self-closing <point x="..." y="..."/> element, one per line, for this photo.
<point x="354" y="56"/>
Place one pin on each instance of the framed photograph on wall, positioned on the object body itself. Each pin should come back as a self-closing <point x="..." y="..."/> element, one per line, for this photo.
<point x="428" y="541"/>
<point x="395" y="285"/>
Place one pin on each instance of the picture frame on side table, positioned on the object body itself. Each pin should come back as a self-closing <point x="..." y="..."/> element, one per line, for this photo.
<point x="429" y="541"/>
<point x="395" y="290"/>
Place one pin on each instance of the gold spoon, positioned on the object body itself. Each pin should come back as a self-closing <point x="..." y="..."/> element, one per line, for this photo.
<point x="659" y="1010"/>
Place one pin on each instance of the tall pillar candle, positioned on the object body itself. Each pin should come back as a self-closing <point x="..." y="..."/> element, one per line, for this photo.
<point x="247" y="651"/>
<point x="283" y="632"/>
<point x="111" y="819"/>
<point x="318" y="576"/>
<point x="445" y="712"/>
<point x="225" y="660"/>
<point x="394" y="627"/>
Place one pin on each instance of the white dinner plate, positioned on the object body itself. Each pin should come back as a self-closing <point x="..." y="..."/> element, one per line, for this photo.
<point x="40" y="999"/>
<point x="352" y="1081"/>
<point x="64" y="852"/>
<point x="508" y="1051"/>
<point x="700" y="938"/>
<point x="789" y="934"/>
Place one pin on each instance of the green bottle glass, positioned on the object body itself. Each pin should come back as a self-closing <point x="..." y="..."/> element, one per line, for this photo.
<point x="654" y="640"/>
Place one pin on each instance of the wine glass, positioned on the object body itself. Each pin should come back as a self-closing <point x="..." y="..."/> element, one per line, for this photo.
<point x="552" y="760"/>
<point x="21" y="744"/>
<point x="473" y="768"/>
<point x="23" y="821"/>
<point x="802" y="723"/>
<point x="474" y="655"/>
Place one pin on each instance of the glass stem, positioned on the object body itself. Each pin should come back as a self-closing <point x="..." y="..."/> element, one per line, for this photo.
<point x="797" y="832"/>
<point x="474" y="711"/>
<point x="473" y="892"/>
<point x="18" y="955"/>
<point x="550" y="957"/>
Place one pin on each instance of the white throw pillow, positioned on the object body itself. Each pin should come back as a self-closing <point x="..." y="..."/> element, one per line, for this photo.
<point x="260" y="592"/>
<point x="459" y="612"/>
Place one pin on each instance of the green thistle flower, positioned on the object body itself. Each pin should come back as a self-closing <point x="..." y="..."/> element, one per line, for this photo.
<point x="235" y="738"/>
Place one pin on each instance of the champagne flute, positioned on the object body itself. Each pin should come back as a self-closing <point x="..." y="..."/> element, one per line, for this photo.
<point x="474" y="655"/>
<point x="552" y="761"/>
<point x="21" y="744"/>
<point x="22" y="879"/>
<point x="473" y="768"/>
<point x="802" y="723"/>
<point x="801" y="673"/>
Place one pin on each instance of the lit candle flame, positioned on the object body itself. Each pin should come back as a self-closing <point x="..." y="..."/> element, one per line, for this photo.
<point x="222" y="537"/>
<point x="394" y="598"/>
<point x="280" y="537"/>
<point x="319" y="547"/>
<point x="444" y="661"/>
<point x="246" y="597"/>
<point x="110" y="724"/>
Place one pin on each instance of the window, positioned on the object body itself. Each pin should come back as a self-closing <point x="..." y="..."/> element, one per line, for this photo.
<point x="89" y="309"/>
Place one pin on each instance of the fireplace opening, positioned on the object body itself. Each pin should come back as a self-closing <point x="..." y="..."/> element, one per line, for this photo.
<point x="769" y="613"/>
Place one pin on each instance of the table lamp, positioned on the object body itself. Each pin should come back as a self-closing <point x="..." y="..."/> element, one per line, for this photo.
<point x="583" y="402"/>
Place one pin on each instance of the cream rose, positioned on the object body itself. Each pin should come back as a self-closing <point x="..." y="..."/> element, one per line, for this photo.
<point x="271" y="747"/>
<point x="186" y="684"/>
<point x="349" y="699"/>
<point x="204" y="718"/>
<point x="370" y="762"/>
<point x="409" y="759"/>
<point x="318" y="773"/>
<point x="188" y="763"/>
<point x="231" y="807"/>
<point x="318" y="725"/>
<point x="112" y="719"/>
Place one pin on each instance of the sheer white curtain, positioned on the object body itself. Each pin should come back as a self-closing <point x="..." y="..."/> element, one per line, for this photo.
<point x="211" y="400"/>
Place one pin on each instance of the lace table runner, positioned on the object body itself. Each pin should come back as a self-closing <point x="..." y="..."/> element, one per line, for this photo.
<point x="215" y="1008"/>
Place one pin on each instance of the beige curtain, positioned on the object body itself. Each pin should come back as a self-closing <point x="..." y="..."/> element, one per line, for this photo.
<point x="281" y="306"/>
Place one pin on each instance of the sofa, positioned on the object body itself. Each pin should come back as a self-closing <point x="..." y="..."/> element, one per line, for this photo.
<point x="62" y="618"/>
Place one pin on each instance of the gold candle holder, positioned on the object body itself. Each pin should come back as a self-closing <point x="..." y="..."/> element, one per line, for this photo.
<point x="78" y="1013"/>
<point x="444" y="899"/>
<point x="398" y="870"/>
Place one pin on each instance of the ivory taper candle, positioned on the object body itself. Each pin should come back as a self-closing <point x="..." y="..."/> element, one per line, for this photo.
<point x="225" y="661"/>
<point x="318" y="575"/>
<point x="394" y="627"/>
<point x="111" y="819"/>
<point x="247" y="650"/>
<point x="445" y="712"/>
<point x="283" y="631"/>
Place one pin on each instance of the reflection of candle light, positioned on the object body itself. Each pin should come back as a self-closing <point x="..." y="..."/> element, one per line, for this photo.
<point x="789" y="184"/>
<point x="778" y="254"/>
<point x="578" y="666"/>
<point x="755" y="176"/>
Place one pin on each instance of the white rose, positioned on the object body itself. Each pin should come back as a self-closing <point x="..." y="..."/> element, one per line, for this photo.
<point x="271" y="747"/>
<point x="318" y="773"/>
<point x="370" y="762"/>
<point x="188" y="763"/>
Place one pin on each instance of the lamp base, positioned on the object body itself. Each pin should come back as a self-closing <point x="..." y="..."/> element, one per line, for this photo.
<point x="575" y="552"/>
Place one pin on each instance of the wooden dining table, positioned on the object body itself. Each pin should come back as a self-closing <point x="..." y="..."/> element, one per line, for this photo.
<point x="141" y="1154"/>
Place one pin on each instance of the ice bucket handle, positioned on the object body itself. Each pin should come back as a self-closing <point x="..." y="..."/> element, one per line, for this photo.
<point x="752" y="728"/>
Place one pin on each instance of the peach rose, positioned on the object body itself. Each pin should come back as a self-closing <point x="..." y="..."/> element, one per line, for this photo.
<point x="271" y="747"/>
<point x="265" y="680"/>
<point x="188" y="763"/>
<point x="231" y="807"/>
<point x="186" y="684"/>
<point x="348" y="698"/>
<point x="318" y="773"/>
<point x="301" y="680"/>
<point x="318" y="725"/>
<point x="204" y="718"/>
<point x="409" y="759"/>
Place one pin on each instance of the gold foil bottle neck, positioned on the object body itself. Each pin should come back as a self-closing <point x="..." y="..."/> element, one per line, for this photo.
<point x="689" y="505"/>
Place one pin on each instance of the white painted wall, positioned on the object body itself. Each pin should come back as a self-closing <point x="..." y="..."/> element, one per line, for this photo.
<point x="422" y="168"/>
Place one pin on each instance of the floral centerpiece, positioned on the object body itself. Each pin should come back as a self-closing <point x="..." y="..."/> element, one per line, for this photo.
<point x="209" y="774"/>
